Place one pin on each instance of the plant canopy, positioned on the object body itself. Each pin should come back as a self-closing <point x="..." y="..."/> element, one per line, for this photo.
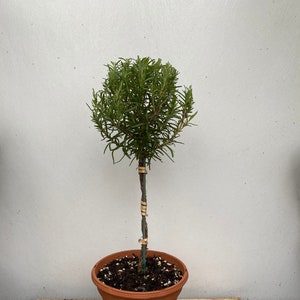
<point x="141" y="110"/>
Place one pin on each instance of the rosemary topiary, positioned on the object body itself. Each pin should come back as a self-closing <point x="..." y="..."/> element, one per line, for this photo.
<point x="140" y="112"/>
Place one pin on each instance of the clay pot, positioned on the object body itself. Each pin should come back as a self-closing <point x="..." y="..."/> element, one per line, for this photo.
<point x="110" y="293"/>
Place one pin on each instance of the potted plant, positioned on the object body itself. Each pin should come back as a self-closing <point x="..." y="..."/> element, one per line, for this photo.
<point x="140" y="112"/>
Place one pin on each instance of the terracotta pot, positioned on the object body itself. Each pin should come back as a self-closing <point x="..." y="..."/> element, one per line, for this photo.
<point x="110" y="293"/>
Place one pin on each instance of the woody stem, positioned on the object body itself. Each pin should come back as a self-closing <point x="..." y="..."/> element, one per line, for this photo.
<point x="144" y="227"/>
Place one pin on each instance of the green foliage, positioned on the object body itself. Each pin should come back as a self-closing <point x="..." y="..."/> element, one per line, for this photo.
<point x="141" y="110"/>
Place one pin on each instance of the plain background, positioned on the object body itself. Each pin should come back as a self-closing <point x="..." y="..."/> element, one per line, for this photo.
<point x="229" y="206"/>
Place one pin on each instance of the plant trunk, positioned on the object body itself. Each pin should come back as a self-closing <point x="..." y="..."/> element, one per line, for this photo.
<point x="144" y="226"/>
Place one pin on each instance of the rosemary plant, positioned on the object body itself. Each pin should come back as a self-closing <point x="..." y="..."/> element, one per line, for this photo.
<point x="140" y="112"/>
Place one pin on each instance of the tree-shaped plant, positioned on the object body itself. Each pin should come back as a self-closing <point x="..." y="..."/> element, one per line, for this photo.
<point x="140" y="113"/>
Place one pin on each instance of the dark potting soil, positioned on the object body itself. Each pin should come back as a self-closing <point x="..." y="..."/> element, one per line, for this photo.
<point x="124" y="274"/>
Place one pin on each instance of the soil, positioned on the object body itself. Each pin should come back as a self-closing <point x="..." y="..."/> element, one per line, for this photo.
<point x="125" y="274"/>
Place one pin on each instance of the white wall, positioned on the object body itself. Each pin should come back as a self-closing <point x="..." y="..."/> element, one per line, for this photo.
<point x="230" y="204"/>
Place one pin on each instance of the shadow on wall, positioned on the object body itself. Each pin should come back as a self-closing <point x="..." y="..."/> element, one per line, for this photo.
<point x="296" y="184"/>
<point x="296" y="177"/>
